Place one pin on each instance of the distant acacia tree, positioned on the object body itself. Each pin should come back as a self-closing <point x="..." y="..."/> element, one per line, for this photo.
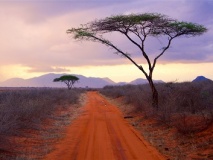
<point x="137" y="28"/>
<point x="69" y="80"/>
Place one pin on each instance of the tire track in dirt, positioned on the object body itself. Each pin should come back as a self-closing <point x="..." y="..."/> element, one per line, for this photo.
<point x="101" y="133"/>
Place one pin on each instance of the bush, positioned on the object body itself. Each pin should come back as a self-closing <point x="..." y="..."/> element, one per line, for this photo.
<point x="177" y="102"/>
<point x="24" y="111"/>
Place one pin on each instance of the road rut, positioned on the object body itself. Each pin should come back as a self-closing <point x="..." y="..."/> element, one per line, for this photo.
<point x="101" y="133"/>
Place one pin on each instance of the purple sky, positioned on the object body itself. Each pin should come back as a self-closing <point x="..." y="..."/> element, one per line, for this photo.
<point x="34" y="40"/>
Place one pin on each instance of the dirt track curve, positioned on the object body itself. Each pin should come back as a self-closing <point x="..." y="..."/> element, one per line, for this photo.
<point x="101" y="133"/>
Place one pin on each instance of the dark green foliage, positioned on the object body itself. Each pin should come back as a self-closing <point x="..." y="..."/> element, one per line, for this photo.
<point x="140" y="24"/>
<point x="69" y="80"/>
<point x="184" y="28"/>
<point x="66" y="77"/>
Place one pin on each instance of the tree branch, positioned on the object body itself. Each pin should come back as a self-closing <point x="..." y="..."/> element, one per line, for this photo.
<point x="140" y="47"/>
<point x="145" y="55"/>
<point x="155" y="60"/>
<point x="106" y="42"/>
<point x="126" y="34"/>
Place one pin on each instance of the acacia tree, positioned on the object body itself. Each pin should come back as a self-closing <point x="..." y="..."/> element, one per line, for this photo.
<point x="69" y="80"/>
<point x="137" y="28"/>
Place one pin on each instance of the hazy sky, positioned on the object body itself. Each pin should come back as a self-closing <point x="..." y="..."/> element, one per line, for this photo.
<point x="33" y="39"/>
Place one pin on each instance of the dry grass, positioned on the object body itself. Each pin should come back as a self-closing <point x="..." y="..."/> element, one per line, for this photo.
<point x="178" y="102"/>
<point x="182" y="127"/>
<point x="32" y="119"/>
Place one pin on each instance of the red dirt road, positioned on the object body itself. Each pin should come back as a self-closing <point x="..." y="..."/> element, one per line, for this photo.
<point x="101" y="133"/>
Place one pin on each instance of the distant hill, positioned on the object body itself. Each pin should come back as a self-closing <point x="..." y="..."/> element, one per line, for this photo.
<point x="121" y="83"/>
<point x="108" y="80"/>
<point x="47" y="81"/>
<point x="144" y="81"/>
<point x="202" y="79"/>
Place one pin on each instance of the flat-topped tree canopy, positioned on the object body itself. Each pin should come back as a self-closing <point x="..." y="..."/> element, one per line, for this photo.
<point x="137" y="28"/>
<point x="145" y="24"/>
<point x="69" y="80"/>
<point x="176" y="29"/>
<point x="66" y="77"/>
<point x="125" y="23"/>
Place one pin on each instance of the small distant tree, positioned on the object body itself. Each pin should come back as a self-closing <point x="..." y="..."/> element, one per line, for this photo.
<point x="69" y="80"/>
<point x="137" y="28"/>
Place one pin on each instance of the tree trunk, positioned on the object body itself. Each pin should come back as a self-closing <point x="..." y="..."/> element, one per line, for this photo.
<point x="155" y="98"/>
<point x="154" y="94"/>
<point x="69" y="86"/>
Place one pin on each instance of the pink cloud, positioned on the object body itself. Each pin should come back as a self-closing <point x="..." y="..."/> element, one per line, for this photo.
<point x="34" y="33"/>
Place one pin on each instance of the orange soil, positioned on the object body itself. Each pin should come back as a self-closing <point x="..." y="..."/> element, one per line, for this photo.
<point x="101" y="133"/>
<point x="171" y="143"/>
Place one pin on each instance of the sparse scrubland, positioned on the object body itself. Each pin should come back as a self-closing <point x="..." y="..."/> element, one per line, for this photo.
<point x="32" y="120"/>
<point x="181" y="128"/>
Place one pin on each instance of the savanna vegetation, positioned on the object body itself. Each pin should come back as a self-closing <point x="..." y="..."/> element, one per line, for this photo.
<point x="177" y="102"/>
<point x="33" y="119"/>
<point x="138" y="29"/>
<point x="183" y="120"/>
<point x="69" y="80"/>
<point x="187" y="107"/>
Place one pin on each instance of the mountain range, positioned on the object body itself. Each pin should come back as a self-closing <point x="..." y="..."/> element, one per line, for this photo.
<point x="91" y="82"/>
<point x="47" y="81"/>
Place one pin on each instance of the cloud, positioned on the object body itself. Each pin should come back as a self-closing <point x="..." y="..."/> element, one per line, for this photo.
<point x="46" y="69"/>
<point x="33" y="33"/>
<point x="40" y="11"/>
<point x="200" y="11"/>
